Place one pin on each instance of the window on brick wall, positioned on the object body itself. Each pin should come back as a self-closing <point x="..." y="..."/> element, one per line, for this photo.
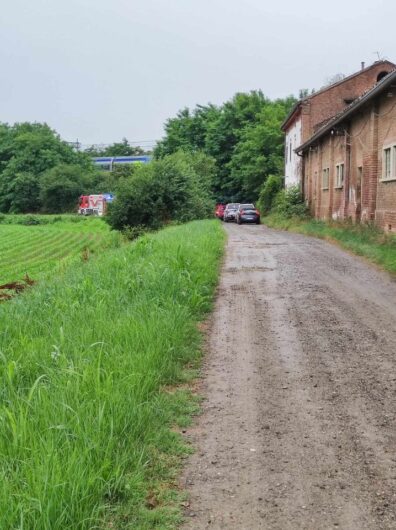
<point x="394" y="160"/>
<point x="339" y="176"/>
<point x="325" y="178"/>
<point x="387" y="169"/>
<point x="389" y="163"/>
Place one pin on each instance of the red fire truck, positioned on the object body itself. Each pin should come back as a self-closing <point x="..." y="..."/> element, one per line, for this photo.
<point x="94" y="204"/>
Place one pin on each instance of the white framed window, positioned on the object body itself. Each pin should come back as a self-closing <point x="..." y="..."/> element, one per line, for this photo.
<point x="389" y="163"/>
<point x="325" y="178"/>
<point x="387" y="171"/>
<point x="393" y="157"/>
<point x="340" y="172"/>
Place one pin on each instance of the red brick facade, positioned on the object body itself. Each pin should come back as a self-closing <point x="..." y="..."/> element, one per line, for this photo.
<point x="322" y="105"/>
<point x="363" y="140"/>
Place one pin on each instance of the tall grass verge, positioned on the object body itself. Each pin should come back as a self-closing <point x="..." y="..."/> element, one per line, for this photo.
<point x="363" y="239"/>
<point x="85" y="426"/>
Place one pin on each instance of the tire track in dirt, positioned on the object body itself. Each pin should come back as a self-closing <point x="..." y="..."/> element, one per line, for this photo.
<point x="298" y="424"/>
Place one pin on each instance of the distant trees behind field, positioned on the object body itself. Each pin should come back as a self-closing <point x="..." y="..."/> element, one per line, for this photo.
<point x="123" y="148"/>
<point x="208" y="154"/>
<point x="30" y="153"/>
<point x="39" y="172"/>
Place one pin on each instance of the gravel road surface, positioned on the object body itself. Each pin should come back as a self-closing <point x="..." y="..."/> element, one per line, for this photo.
<point x="298" y="428"/>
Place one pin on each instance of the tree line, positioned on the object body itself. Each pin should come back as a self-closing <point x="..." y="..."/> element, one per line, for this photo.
<point x="208" y="154"/>
<point x="243" y="136"/>
<point x="123" y="148"/>
<point x="39" y="172"/>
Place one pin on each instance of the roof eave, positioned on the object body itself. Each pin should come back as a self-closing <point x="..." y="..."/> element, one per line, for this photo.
<point x="377" y="89"/>
<point x="290" y="116"/>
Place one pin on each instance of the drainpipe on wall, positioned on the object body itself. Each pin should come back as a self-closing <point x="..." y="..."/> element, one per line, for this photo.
<point x="301" y="155"/>
<point x="347" y="176"/>
<point x="331" y="177"/>
<point x="373" y="171"/>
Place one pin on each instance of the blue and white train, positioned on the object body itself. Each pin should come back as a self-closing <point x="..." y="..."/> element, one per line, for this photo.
<point x="108" y="163"/>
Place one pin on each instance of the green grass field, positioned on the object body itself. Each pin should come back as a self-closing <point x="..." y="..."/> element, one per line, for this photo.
<point x="90" y="360"/>
<point x="37" y="249"/>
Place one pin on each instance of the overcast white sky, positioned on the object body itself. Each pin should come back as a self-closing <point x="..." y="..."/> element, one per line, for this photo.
<point x="98" y="70"/>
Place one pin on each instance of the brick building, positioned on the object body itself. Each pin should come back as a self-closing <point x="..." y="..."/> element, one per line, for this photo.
<point x="312" y="112"/>
<point x="349" y="164"/>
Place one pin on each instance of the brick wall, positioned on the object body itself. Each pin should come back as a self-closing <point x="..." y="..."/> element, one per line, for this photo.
<point x="337" y="205"/>
<point x="328" y="103"/>
<point x="385" y="214"/>
<point x="358" y="143"/>
<point x="361" y="138"/>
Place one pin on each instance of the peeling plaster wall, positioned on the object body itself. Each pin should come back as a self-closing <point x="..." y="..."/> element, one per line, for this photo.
<point x="293" y="164"/>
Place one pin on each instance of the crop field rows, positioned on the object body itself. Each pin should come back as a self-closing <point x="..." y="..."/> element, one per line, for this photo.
<point x="34" y="250"/>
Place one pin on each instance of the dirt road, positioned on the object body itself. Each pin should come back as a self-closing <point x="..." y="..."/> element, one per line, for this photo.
<point x="298" y="429"/>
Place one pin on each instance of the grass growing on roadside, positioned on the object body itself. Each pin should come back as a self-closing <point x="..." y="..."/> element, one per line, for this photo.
<point x="38" y="248"/>
<point x="85" y="437"/>
<point x="362" y="239"/>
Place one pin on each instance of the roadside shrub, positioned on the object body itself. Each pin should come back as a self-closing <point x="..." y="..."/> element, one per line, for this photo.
<point x="133" y="232"/>
<point x="56" y="219"/>
<point x="61" y="186"/>
<point x="31" y="220"/>
<point x="290" y="203"/>
<point x="175" y="188"/>
<point x="268" y="192"/>
<point x="25" y="190"/>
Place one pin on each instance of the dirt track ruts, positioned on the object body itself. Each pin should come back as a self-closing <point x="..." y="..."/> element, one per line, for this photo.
<point x="298" y="427"/>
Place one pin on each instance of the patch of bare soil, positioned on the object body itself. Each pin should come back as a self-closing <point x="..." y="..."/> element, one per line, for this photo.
<point x="298" y="427"/>
<point x="9" y="290"/>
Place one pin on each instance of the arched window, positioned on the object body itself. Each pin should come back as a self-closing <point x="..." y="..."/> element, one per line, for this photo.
<point x="381" y="75"/>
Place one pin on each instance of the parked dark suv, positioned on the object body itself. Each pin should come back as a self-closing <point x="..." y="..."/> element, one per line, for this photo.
<point x="247" y="213"/>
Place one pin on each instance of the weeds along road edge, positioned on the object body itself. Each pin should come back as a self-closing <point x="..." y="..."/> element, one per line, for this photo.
<point x="85" y="439"/>
<point x="364" y="240"/>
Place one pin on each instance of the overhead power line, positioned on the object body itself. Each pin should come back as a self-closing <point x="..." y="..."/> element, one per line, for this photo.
<point x="130" y="142"/>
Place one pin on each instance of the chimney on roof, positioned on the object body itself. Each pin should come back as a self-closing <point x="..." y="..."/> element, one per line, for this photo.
<point x="362" y="65"/>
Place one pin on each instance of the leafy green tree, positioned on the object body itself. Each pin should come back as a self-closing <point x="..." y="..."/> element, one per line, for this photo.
<point x="30" y="149"/>
<point x="269" y="191"/>
<point x="108" y="181"/>
<point x="187" y="131"/>
<point x="61" y="186"/>
<point x="259" y="152"/>
<point x="25" y="193"/>
<point x="243" y="137"/>
<point x="123" y="148"/>
<point x="176" y="187"/>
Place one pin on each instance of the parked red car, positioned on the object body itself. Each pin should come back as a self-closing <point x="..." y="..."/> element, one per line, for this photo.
<point x="219" y="211"/>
